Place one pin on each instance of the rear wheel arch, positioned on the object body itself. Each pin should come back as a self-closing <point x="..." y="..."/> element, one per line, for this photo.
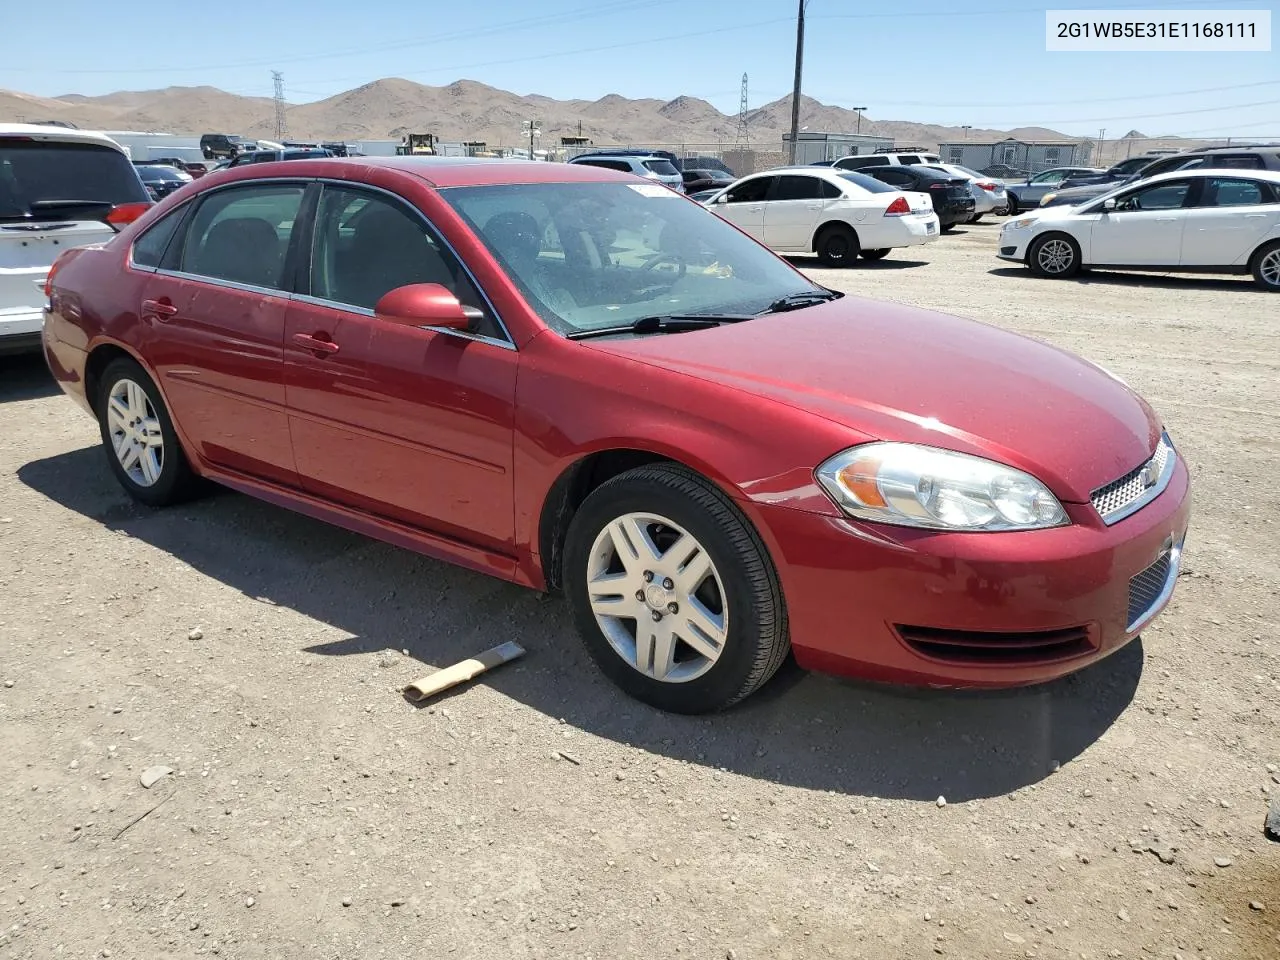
<point x="1269" y="249"/>
<point x="101" y="357"/>
<point x="831" y="225"/>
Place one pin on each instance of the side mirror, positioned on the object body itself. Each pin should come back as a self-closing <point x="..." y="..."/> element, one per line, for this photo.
<point x="723" y="198"/>
<point x="1109" y="204"/>
<point x="425" y="305"/>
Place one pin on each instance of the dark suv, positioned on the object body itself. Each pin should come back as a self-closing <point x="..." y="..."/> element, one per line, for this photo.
<point x="270" y="156"/>
<point x="1246" y="156"/>
<point x="221" y="145"/>
<point x="952" y="196"/>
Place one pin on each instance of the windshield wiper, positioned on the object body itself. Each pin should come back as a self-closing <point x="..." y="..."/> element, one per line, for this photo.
<point x="664" y="323"/>
<point x="798" y="301"/>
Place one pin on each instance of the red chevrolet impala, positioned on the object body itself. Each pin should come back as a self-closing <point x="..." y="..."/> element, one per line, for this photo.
<point x="579" y="380"/>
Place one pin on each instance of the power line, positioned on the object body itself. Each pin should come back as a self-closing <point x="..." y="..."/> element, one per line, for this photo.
<point x="1144" y="116"/>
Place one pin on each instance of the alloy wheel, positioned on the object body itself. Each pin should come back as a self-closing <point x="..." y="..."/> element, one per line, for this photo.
<point x="657" y="597"/>
<point x="1269" y="268"/>
<point x="136" y="435"/>
<point x="1055" y="256"/>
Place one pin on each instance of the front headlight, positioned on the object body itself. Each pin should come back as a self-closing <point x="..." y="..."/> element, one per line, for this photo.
<point x="1047" y="199"/>
<point x="918" y="486"/>
<point x="1022" y="223"/>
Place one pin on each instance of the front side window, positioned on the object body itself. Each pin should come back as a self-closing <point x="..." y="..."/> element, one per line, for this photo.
<point x="798" y="188"/>
<point x="1052" y="176"/>
<point x="749" y="191"/>
<point x="602" y="255"/>
<point x="242" y="234"/>
<point x="1159" y="196"/>
<point x="367" y="244"/>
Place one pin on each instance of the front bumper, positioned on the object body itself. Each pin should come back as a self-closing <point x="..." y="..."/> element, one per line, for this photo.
<point x="869" y="600"/>
<point x="1013" y="244"/>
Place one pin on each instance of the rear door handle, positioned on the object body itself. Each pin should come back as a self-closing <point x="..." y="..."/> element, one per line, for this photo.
<point x="161" y="309"/>
<point x="315" y="344"/>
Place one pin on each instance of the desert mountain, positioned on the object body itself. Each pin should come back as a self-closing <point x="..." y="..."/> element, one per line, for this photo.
<point x="468" y="110"/>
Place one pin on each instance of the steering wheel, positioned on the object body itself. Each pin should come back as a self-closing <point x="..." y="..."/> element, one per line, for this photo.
<point x="659" y="258"/>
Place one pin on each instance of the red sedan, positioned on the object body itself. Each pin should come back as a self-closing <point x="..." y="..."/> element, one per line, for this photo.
<point x="578" y="380"/>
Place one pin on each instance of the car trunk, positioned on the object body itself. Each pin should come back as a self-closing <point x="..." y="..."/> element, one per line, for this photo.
<point x="27" y="251"/>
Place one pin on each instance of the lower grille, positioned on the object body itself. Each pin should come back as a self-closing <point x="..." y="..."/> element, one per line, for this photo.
<point x="1145" y="588"/>
<point x="979" y="646"/>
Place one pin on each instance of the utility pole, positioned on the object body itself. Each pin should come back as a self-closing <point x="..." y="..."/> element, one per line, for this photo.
<point x="795" y="91"/>
<point x="534" y="131"/>
<point x="1102" y="139"/>
<point x="278" y="80"/>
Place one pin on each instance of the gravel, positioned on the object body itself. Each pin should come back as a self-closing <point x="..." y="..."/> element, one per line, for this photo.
<point x="824" y="777"/>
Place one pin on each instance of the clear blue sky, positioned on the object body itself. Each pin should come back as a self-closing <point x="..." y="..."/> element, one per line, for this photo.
<point x="981" y="63"/>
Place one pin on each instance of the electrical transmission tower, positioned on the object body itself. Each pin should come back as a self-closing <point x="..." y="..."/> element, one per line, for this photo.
<point x="278" y="79"/>
<point x="744" y="135"/>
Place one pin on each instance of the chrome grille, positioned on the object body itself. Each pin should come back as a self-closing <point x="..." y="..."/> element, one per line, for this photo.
<point x="1136" y="488"/>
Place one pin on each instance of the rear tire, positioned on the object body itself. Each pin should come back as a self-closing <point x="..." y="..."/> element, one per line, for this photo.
<point x="692" y="620"/>
<point x="1054" y="255"/>
<point x="837" y="246"/>
<point x="878" y="254"/>
<point x="139" y="439"/>
<point x="977" y="217"/>
<point x="1265" y="266"/>
<point x="1013" y="205"/>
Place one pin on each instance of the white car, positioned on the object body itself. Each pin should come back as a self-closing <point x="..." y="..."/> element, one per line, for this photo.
<point x="59" y="188"/>
<point x="837" y="214"/>
<point x="989" y="194"/>
<point x="1189" y="221"/>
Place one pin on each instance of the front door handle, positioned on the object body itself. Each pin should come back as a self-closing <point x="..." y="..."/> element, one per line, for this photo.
<point x="161" y="309"/>
<point x="321" y="347"/>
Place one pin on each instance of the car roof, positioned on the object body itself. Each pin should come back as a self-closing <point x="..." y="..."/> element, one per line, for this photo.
<point x="435" y="171"/>
<point x="38" y="131"/>
<point x="1271" y="176"/>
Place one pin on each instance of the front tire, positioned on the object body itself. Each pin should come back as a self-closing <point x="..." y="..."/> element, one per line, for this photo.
<point x="673" y="592"/>
<point x="1265" y="267"/>
<point x="878" y="254"/>
<point x="1055" y="255"/>
<point x="837" y="246"/>
<point x="139" y="439"/>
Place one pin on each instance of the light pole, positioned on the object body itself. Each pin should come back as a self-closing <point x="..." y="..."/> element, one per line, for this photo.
<point x="859" y="110"/>
<point x="795" y="90"/>
<point x="966" y="128"/>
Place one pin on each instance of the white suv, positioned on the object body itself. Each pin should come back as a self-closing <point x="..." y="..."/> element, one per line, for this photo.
<point x="59" y="188"/>
<point x="652" y="168"/>
<point x="858" y="161"/>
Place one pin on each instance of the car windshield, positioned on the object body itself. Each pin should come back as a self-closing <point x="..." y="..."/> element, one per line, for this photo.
<point x="869" y="184"/>
<point x="34" y="172"/>
<point x="591" y="256"/>
<point x="663" y="168"/>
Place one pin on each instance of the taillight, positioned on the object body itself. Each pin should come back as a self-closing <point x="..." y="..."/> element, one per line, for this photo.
<point x="898" y="208"/>
<point x="123" y="214"/>
<point x="987" y="186"/>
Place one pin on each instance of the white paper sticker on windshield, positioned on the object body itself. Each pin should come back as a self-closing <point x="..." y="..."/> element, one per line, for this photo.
<point x="652" y="190"/>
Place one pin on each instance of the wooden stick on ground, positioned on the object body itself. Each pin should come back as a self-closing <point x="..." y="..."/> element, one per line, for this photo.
<point x="441" y="680"/>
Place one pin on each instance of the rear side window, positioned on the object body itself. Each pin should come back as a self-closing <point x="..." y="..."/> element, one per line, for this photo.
<point x="241" y="234"/>
<point x="36" y="175"/>
<point x="869" y="184"/>
<point x="896" y="177"/>
<point x="663" y="168"/>
<point x="148" y="249"/>
<point x="908" y="158"/>
<point x="830" y="191"/>
<point x="1229" y="192"/>
<point x="1239" y="161"/>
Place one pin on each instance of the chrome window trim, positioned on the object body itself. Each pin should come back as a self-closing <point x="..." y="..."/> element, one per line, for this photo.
<point x="1162" y="482"/>
<point x="228" y="284"/>
<point x="436" y="233"/>
<point x="370" y="315"/>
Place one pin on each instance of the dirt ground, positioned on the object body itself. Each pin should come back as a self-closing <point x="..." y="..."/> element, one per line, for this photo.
<point x="314" y="814"/>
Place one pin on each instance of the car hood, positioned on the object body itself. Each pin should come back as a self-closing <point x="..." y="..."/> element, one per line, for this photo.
<point x="1087" y="191"/>
<point x="892" y="372"/>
